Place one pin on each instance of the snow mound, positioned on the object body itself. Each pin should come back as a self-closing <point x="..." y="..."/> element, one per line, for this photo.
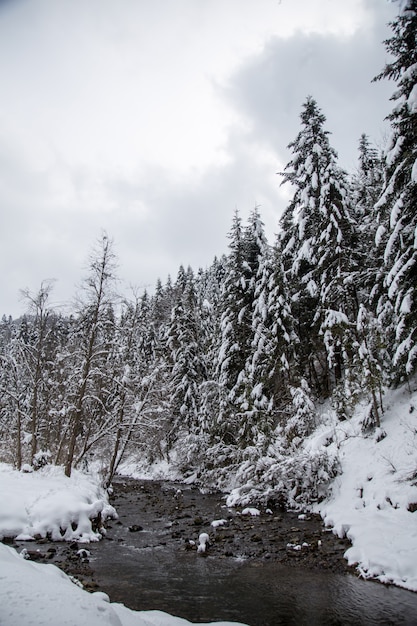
<point x="218" y="522"/>
<point x="48" y="503"/>
<point x="159" y="470"/>
<point x="251" y="511"/>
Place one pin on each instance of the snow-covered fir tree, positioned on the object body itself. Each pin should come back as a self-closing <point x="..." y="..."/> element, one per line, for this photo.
<point x="317" y="235"/>
<point x="250" y="396"/>
<point x="235" y="335"/>
<point x="397" y="206"/>
<point x="188" y="369"/>
<point x="209" y="301"/>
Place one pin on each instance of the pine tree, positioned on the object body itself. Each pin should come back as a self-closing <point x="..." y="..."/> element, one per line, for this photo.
<point x="251" y="394"/>
<point x="235" y="335"/>
<point x="186" y="356"/>
<point x="209" y="288"/>
<point x="367" y="182"/>
<point x="398" y="203"/>
<point x="316" y="240"/>
<point x="275" y="339"/>
<point x="239" y="391"/>
<point x="366" y="185"/>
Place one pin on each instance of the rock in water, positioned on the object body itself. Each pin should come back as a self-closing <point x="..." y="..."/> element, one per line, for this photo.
<point x="203" y="543"/>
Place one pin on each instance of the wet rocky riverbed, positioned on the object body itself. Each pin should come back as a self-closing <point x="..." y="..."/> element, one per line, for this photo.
<point x="269" y="569"/>
<point x="157" y="514"/>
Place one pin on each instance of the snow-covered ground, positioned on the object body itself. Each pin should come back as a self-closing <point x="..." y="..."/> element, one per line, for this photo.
<point x="373" y="500"/>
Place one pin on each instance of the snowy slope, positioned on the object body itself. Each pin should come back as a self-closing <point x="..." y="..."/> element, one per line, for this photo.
<point x="373" y="500"/>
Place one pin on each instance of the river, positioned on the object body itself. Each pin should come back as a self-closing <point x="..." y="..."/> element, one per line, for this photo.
<point x="268" y="570"/>
<point x="242" y="578"/>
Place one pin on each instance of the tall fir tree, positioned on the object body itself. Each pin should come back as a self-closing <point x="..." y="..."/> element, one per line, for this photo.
<point x="316" y="238"/>
<point x="251" y="394"/>
<point x="234" y="339"/>
<point x="397" y="206"/>
<point x="187" y="358"/>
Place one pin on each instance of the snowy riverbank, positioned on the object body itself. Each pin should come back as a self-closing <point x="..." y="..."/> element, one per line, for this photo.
<point x="35" y="504"/>
<point x="374" y="500"/>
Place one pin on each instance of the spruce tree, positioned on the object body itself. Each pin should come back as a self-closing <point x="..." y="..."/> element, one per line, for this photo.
<point x="398" y="203"/>
<point x="317" y="235"/>
<point x="251" y="395"/>
<point x="186" y="357"/>
<point x="235" y="335"/>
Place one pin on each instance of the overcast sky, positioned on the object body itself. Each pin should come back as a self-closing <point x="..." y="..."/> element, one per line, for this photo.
<point x="155" y="119"/>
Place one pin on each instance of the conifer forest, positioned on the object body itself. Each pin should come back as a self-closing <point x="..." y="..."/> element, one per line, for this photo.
<point x="222" y="371"/>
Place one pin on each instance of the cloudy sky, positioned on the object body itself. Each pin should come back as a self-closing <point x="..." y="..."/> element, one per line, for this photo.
<point x="153" y="120"/>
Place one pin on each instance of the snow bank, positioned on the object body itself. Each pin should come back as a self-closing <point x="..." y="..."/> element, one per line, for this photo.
<point x="47" y="502"/>
<point x="42" y="595"/>
<point x="159" y="470"/>
<point x="374" y="500"/>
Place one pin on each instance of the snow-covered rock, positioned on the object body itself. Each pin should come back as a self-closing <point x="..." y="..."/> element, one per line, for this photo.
<point x="203" y="543"/>
<point x="251" y="511"/>
<point x="218" y="522"/>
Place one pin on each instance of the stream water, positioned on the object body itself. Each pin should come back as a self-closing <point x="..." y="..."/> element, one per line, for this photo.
<point x="148" y="562"/>
<point x="276" y="568"/>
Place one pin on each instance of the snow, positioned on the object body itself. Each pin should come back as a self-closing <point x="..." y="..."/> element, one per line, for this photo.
<point x="392" y="155"/>
<point x="251" y="511"/>
<point x="412" y="100"/>
<point x="203" y="543"/>
<point x="159" y="470"/>
<point x="32" y="593"/>
<point x="218" y="522"/>
<point x="373" y="499"/>
<point x="335" y="318"/>
<point x="414" y="172"/>
<point x="48" y="502"/>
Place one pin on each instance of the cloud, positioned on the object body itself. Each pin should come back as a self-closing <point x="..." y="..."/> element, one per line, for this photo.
<point x="337" y="71"/>
<point x="155" y="121"/>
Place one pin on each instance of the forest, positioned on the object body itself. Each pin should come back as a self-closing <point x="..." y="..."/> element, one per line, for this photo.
<point x="223" y="372"/>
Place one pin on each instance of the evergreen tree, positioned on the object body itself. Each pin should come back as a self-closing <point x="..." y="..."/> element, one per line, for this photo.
<point x="235" y="332"/>
<point x="275" y="340"/>
<point x="209" y="288"/>
<point x="251" y="394"/>
<point x="238" y="421"/>
<point x="398" y="203"/>
<point x="316" y="240"/>
<point x="367" y="182"/>
<point x="186" y="356"/>
<point x="366" y="188"/>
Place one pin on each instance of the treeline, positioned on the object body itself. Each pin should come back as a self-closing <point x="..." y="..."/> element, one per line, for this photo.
<point x="219" y="371"/>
